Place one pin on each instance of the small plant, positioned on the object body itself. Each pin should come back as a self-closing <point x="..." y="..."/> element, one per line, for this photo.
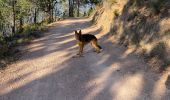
<point x="132" y="16"/>
<point x="135" y="39"/>
<point x="157" y="5"/>
<point x="116" y="13"/>
<point x="159" y="50"/>
<point x="90" y="11"/>
<point x="113" y="30"/>
<point x="33" y="30"/>
<point x="167" y="32"/>
<point x="112" y="1"/>
<point x="29" y="31"/>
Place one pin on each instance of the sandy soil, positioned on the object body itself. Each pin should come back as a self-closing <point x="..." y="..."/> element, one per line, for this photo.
<point x="48" y="70"/>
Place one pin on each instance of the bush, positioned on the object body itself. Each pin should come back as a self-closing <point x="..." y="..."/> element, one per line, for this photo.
<point x="135" y="39"/>
<point x="3" y="51"/>
<point x="3" y="46"/>
<point x="160" y="52"/>
<point x="157" y="5"/>
<point x="90" y="11"/>
<point x="7" y="43"/>
<point x="32" y="31"/>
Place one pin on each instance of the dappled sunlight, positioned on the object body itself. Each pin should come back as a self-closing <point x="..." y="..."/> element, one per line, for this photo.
<point x="128" y="88"/>
<point x="66" y="41"/>
<point x="160" y="89"/>
<point x="28" y="70"/>
<point x="107" y="72"/>
<point x="103" y="60"/>
<point x="73" y="48"/>
<point x="36" y="48"/>
<point x="127" y="52"/>
<point x="33" y="72"/>
<point x="77" y="20"/>
<point x="63" y="36"/>
<point x="101" y="81"/>
<point x="91" y="30"/>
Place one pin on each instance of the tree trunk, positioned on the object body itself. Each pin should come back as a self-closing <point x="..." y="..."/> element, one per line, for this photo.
<point x="20" y="24"/>
<point x="55" y="13"/>
<point x="52" y="14"/>
<point x="78" y="8"/>
<point x="14" y="17"/>
<point x="35" y="15"/>
<point x="71" y="9"/>
<point x="49" y="12"/>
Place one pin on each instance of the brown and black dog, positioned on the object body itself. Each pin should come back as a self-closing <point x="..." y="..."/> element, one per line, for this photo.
<point x="83" y="39"/>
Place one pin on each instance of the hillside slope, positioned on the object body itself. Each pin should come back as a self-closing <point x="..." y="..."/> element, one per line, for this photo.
<point x="141" y="25"/>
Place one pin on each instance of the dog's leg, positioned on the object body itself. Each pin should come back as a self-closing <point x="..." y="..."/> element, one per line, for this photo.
<point x="81" y="46"/>
<point x="95" y="45"/>
<point x="94" y="49"/>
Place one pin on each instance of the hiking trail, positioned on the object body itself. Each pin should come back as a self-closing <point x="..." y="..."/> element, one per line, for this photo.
<point x="48" y="71"/>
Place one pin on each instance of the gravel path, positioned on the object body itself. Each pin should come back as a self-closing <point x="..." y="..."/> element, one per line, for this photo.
<point x="48" y="70"/>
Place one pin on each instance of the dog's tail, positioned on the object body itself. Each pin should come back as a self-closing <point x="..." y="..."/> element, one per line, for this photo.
<point x="99" y="46"/>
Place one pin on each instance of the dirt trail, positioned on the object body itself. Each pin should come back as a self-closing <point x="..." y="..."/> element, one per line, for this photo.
<point x="48" y="71"/>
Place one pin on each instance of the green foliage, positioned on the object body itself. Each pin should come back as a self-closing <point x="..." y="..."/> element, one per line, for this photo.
<point x="3" y="46"/>
<point x="32" y="30"/>
<point x="95" y="1"/>
<point x="22" y="8"/>
<point x="90" y="11"/>
<point x="4" y="12"/>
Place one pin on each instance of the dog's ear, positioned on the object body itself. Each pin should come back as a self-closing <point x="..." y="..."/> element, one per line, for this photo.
<point x="76" y="32"/>
<point x="80" y="32"/>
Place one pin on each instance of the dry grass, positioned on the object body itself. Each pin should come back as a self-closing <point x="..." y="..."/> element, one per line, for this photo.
<point x="141" y="23"/>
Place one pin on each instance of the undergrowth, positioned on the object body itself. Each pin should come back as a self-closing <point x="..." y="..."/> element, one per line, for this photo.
<point x="8" y="45"/>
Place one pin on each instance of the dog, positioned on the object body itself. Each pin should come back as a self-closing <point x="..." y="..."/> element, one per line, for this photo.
<point x="83" y="39"/>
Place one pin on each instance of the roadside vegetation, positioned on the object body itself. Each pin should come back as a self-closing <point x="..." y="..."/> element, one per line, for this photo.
<point x="140" y="25"/>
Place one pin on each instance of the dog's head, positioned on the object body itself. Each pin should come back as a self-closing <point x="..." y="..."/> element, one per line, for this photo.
<point x="78" y="35"/>
<point x="76" y="32"/>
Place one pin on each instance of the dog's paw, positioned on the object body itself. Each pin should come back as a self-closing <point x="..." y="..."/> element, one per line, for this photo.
<point x="81" y="55"/>
<point x="94" y="51"/>
<point x="98" y="51"/>
<point x="77" y="56"/>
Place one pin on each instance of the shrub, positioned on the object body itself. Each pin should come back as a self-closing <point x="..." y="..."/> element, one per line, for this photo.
<point x="116" y="13"/>
<point x="32" y="30"/>
<point x="90" y="11"/>
<point x="160" y="52"/>
<point x="135" y="39"/>
<point x="157" y="5"/>
<point x="29" y="31"/>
